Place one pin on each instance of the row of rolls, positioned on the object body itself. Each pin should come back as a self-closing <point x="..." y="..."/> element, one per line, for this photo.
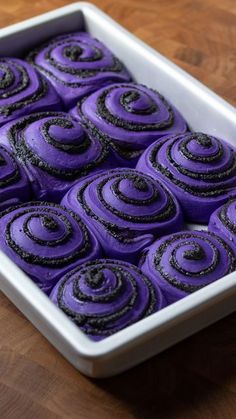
<point x="116" y="249"/>
<point x="43" y="155"/>
<point x="98" y="177"/>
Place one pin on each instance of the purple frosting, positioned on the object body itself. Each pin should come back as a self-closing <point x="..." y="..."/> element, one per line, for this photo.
<point x="46" y="241"/>
<point x="198" y="168"/>
<point x="55" y="151"/>
<point x="223" y="222"/>
<point x="23" y="90"/>
<point x="130" y="116"/>
<point x="77" y="64"/>
<point x="14" y="184"/>
<point x="125" y="209"/>
<point x="105" y="296"/>
<point x="185" y="262"/>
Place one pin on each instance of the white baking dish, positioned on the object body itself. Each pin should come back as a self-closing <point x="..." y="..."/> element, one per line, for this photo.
<point x="204" y="111"/>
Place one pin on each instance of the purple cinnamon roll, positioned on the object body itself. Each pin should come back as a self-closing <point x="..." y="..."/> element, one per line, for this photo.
<point x="105" y="296"/>
<point x="185" y="262"/>
<point x="223" y="222"/>
<point x="55" y="151"/>
<point x="125" y="209"/>
<point x="23" y="90"/>
<point x="77" y="65"/>
<point x="46" y="240"/>
<point x="130" y="116"/>
<point x="14" y="184"/>
<point x="198" y="168"/>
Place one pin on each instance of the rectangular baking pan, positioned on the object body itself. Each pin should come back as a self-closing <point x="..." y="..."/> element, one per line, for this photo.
<point x="204" y="111"/>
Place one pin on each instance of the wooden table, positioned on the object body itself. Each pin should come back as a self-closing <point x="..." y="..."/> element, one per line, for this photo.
<point x="195" y="379"/>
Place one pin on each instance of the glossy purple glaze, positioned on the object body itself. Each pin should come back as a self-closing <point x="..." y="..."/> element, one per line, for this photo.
<point x="126" y="210"/>
<point x="77" y="64"/>
<point x="105" y="296"/>
<point x="55" y="151"/>
<point x="46" y="240"/>
<point x="198" y="168"/>
<point x="130" y="116"/>
<point x="184" y="262"/>
<point x="23" y="90"/>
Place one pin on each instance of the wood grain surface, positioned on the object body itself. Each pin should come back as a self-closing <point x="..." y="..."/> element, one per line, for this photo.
<point x="193" y="380"/>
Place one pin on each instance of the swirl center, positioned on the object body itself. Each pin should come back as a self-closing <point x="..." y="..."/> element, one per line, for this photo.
<point x="73" y="52"/>
<point x="42" y="228"/>
<point x="197" y="253"/>
<point x="63" y="135"/>
<point x="190" y="257"/>
<point x="204" y="140"/>
<point x="50" y="224"/>
<point x="95" y="278"/>
<point x="135" y="102"/>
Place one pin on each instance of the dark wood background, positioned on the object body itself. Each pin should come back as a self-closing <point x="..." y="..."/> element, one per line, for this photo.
<point x="193" y="380"/>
